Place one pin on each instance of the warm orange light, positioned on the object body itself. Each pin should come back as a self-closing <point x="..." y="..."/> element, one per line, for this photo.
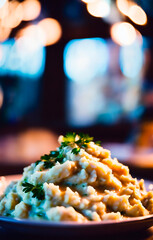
<point x="4" y="33"/>
<point x="99" y="8"/>
<point x="52" y="30"/>
<point x="14" y="15"/>
<point x="31" y="9"/>
<point x="48" y="31"/>
<point x="1" y="97"/>
<point x="139" y="37"/>
<point x="123" y="33"/>
<point x="123" y="6"/>
<point x="4" y="10"/>
<point x="137" y="15"/>
<point x="32" y="37"/>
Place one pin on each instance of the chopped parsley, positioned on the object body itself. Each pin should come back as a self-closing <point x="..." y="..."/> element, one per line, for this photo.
<point x="45" y="157"/>
<point x="76" y="150"/>
<point x="80" y="139"/>
<point x="98" y="143"/>
<point x="70" y="139"/>
<point x="37" y="162"/>
<point x="50" y="160"/>
<point x="38" y="191"/>
<point x="40" y="214"/>
<point x="49" y="164"/>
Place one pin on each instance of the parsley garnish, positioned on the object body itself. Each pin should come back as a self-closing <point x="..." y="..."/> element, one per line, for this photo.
<point x="41" y="214"/>
<point x="37" y="162"/>
<point x="75" y="150"/>
<point x="82" y="139"/>
<point x="45" y="157"/>
<point x="70" y="139"/>
<point x="49" y="164"/>
<point x="37" y="190"/>
<point x="98" y="143"/>
<point x="51" y="159"/>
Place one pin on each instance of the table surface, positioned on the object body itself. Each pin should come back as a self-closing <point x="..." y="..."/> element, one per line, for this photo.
<point x="141" y="235"/>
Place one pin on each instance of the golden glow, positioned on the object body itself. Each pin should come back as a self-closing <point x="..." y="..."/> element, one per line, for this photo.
<point x="48" y="31"/>
<point x="52" y="30"/>
<point x="123" y="33"/>
<point x="32" y="37"/>
<point x="99" y="8"/>
<point x="1" y="97"/>
<point x="4" y="33"/>
<point x="133" y="11"/>
<point x="4" y="10"/>
<point x="123" y="6"/>
<point x="137" y="15"/>
<point x="139" y="37"/>
<point x="31" y="9"/>
<point x="13" y="16"/>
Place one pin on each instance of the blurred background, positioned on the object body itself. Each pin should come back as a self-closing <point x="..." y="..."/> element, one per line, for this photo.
<point x="76" y="65"/>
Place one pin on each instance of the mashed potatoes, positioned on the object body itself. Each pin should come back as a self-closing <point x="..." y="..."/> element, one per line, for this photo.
<point x="78" y="182"/>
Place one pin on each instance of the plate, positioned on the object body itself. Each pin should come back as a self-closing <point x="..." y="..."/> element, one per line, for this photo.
<point x="71" y="228"/>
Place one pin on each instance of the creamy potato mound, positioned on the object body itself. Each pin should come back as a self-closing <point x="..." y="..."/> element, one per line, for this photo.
<point x="78" y="182"/>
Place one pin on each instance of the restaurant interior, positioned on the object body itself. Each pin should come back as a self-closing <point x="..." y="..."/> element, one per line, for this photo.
<point x="76" y="66"/>
<point x="82" y="66"/>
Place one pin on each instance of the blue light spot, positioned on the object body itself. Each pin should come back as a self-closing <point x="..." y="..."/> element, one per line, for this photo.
<point x="131" y="60"/>
<point x="85" y="59"/>
<point x="22" y="62"/>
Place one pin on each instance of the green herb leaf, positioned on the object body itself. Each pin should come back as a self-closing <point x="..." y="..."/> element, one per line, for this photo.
<point x="83" y="140"/>
<point x="54" y="154"/>
<point x="27" y="187"/>
<point x="70" y="137"/>
<point x="45" y="157"/>
<point x="50" y="159"/>
<point x="37" y="190"/>
<point x="37" y="162"/>
<point x="41" y="214"/>
<point x="48" y="164"/>
<point x="85" y="137"/>
<point x="98" y="143"/>
<point x="76" y="150"/>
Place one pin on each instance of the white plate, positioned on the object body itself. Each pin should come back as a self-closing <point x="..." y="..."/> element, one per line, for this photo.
<point x="71" y="228"/>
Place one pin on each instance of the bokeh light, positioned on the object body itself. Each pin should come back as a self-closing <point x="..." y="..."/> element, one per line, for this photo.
<point x="137" y="15"/>
<point x="13" y="16"/>
<point x="4" y="33"/>
<point x="2" y="2"/>
<point x="123" y="33"/>
<point x="1" y="97"/>
<point x="131" y="59"/>
<point x="99" y="8"/>
<point x="20" y="58"/>
<point x="31" y="9"/>
<point x="123" y="6"/>
<point x="35" y="35"/>
<point x="85" y="59"/>
<point x="4" y="10"/>
<point x="52" y="30"/>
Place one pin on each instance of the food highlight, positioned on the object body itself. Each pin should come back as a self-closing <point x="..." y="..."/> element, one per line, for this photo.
<point x="78" y="182"/>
